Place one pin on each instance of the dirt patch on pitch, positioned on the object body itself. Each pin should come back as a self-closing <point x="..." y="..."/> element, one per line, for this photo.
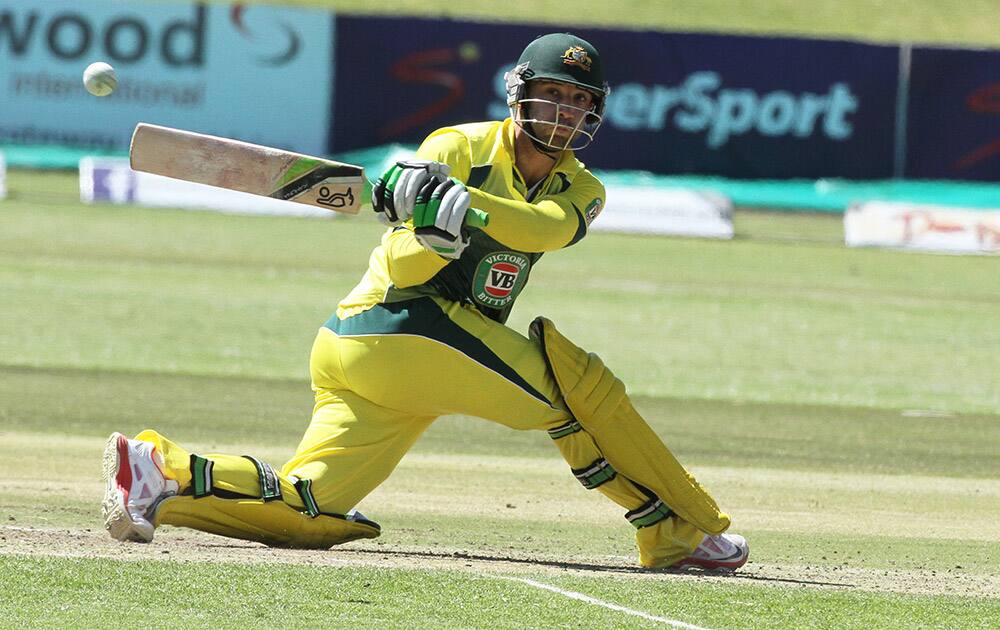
<point x="183" y="546"/>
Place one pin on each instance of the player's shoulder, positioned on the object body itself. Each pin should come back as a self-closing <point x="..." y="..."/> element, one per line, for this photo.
<point x="578" y="173"/>
<point x="469" y="132"/>
<point x="475" y="130"/>
<point x="581" y="188"/>
<point x="475" y="142"/>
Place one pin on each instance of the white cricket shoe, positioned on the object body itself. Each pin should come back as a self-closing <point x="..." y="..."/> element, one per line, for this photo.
<point x="725" y="552"/>
<point x="135" y="485"/>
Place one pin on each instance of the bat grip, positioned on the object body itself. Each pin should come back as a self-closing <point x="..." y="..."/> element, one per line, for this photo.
<point x="473" y="218"/>
<point x="476" y="218"/>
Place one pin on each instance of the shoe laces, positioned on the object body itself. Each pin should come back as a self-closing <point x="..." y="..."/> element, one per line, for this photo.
<point x="148" y="482"/>
<point x="714" y="547"/>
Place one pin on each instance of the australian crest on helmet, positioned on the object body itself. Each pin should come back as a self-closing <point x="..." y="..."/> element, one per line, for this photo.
<point x="577" y="56"/>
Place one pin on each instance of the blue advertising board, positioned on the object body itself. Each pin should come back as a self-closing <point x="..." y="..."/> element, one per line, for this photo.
<point x="680" y="102"/>
<point x="953" y="117"/>
<point x="736" y="106"/>
<point x="261" y="74"/>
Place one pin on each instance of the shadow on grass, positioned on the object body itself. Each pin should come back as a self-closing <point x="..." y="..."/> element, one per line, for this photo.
<point x="586" y="566"/>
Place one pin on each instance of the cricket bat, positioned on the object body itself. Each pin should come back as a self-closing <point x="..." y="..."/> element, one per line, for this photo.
<point x="246" y="167"/>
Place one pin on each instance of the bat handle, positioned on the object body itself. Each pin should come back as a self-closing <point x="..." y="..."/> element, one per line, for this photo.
<point x="477" y="218"/>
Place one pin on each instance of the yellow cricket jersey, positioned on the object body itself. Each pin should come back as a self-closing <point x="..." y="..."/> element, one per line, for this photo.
<point x="495" y="266"/>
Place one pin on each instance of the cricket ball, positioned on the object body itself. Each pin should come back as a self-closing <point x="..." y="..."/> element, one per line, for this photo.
<point x="99" y="79"/>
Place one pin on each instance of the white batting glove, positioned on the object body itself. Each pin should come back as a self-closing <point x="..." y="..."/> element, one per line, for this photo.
<point x="395" y="193"/>
<point x="439" y="217"/>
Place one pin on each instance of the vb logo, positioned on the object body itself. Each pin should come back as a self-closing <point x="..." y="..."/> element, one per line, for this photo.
<point x="499" y="278"/>
<point x="502" y="278"/>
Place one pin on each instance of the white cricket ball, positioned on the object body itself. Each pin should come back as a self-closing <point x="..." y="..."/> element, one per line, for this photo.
<point x="99" y="79"/>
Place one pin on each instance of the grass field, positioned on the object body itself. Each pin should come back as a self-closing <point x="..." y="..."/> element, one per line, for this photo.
<point x="842" y="404"/>
<point x="963" y="23"/>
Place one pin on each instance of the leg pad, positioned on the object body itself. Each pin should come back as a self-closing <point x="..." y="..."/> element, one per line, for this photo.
<point x="274" y="523"/>
<point x="602" y="408"/>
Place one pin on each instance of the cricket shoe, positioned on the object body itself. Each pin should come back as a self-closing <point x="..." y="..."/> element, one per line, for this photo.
<point x="134" y="487"/>
<point x="723" y="553"/>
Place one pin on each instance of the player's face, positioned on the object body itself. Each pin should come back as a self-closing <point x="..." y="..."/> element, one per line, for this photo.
<point x="558" y="107"/>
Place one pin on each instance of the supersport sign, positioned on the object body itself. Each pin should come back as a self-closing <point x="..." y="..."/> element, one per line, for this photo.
<point x="679" y="103"/>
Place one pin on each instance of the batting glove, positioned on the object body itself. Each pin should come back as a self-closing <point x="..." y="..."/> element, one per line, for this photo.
<point x="395" y="192"/>
<point x="439" y="217"/>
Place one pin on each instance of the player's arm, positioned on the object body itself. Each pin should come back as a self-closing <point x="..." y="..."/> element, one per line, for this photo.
<point x="444" y="153"/>
<point x="408" y="262"/>
<point x="411" y="263"/>
<point x="448" y="147"/>
<point x="553" y="223"/>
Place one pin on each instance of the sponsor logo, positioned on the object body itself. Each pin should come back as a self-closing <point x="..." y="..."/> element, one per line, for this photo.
<point x="593" y="209"/>
<point x="335" y="200"/>
<point x="984" y="100"/>
<point x="499" y="278"/>
<point x="577" y="56"/>
<point x="931" y="228"/>
<point x="702" y="104"/>
<point x="438" y="69"/>
<point x="128" y="38"/>
<point x="919" y="224"/>
<point x="286" y="52"/>
<point x="122" y="39"/>
<point x="114" y="184"/>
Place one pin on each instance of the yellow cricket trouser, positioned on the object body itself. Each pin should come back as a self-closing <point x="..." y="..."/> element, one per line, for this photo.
<point x="380" y="378"/>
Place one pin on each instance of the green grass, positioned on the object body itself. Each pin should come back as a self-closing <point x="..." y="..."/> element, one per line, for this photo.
<point x="87" y="593"/>
<point x="967" y="23"/>
<point x="841" y="404"/>
<point x="771" y="322"/>
<point x="209" y="410"/>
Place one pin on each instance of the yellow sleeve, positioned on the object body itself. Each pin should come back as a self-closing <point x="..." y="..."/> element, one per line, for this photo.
<point x="448" y="147"/>
<point x="409" y="263"/>
<point x="555" y="222"/>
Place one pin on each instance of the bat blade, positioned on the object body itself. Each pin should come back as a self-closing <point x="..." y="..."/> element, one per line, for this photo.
<point x="246" y="167"/>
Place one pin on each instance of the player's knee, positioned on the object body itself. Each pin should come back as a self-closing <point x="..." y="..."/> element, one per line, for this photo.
<point x="586" y="462"/>
<point x="590" y="389"/>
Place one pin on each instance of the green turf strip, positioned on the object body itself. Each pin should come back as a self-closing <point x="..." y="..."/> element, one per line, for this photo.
<point x="963" y="23"/>
<point x="731" y="606"/>
<point x="841" y="404"/>
<point x="103" y="593"/>
<point x="275" y="412"/>
<point x="766" y="321"/>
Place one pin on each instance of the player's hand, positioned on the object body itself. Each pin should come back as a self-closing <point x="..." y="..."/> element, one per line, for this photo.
<point x="439" y="217"/>
<point x="395" y="193"/>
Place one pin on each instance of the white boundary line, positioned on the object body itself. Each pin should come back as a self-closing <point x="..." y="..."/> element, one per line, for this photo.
<point x="598" y="602"/>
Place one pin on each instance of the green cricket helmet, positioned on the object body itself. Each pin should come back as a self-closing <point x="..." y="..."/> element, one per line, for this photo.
<point x="563" y="58"/>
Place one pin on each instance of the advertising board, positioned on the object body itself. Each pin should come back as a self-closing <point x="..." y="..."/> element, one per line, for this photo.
<point x="257" y="73"/>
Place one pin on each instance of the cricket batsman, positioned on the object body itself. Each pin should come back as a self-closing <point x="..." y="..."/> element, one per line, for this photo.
<point x="423" y="335"/>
